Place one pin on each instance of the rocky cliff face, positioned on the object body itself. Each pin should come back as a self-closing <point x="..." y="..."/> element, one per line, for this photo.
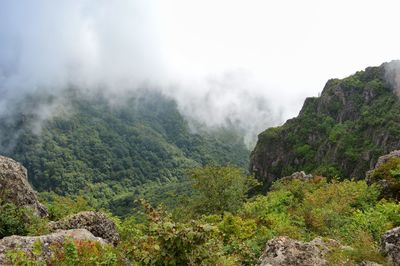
<point x="14" y="187"/>
<point x="342" y="132"/>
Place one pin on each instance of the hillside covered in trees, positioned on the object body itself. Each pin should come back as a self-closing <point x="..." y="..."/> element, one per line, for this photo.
<point x="341" y="133"/>
<point x="108" y="150"/>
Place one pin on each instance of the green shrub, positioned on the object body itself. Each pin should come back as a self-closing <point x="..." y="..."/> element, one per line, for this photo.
<point x="163" y="241"/>
<point x="331" y="206"/>
<point x="61" y="206"/>
<point x="220" y="189"/>
<point x="12" y="220"/>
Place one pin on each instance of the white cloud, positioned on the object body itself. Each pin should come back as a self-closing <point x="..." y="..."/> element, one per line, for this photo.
<point x="220" y="60"/>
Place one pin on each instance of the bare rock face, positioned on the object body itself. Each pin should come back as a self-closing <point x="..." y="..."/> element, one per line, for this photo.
<point x="306" y="141"/>
<point x="383" y="159"/>
<point x="95" y="222"/>
<point x="390" y="245"/>
<point x="47" y="243"/>
<point x="368" y="263"/>
<point x="286" y="251"/>
<point x="14" y="187"/>
<point x="389" y="187"/>
<point x="299" y="175"/>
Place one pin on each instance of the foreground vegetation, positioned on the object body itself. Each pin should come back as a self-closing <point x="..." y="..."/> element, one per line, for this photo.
<point x="219" y="225"/>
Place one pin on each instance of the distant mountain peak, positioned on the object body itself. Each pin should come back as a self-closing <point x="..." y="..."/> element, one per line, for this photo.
<point x="340" y="133"/>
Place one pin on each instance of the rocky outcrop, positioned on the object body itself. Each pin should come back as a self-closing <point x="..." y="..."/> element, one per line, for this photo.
<point x="286" y="251"/>
<point x="14" y="187"/>
<point x="95" y="222"/>
<point x="300" y="176"/>
<point x="48" y="243"/>
<point x="389" y="184"/>
<point x="382" y="160"/>
<point x="368" y="263"/>
<point x="385" y="158"/>
<point x="341" y="132"/>
<point x="390" y="245"/>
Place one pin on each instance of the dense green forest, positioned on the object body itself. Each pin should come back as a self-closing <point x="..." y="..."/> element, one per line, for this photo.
<point x="111" y="152"/>
<point x="341" y="133"/>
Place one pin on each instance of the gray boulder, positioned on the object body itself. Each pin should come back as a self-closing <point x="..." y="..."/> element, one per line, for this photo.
<point x="383" y="159"/>
<point x="369" y="263"/>
<point x="283" y="250"/>
<point x="95" y="222"/>
<point x="299" y="175"/>
<point x="390" y="245"/>
<point x="14" y="187"/>
<point x="48" y="243"/>
<point x="389" y="187"/>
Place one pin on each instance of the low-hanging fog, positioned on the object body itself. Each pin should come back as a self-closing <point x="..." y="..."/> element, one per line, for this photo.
<point x="250" y="63"/>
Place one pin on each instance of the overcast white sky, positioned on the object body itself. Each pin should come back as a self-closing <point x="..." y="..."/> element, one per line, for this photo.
<point x="290" y="47"/>
<point x="249" y="61"/>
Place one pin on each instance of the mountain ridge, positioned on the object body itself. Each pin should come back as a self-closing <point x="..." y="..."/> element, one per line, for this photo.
<point x="340" y="133"/>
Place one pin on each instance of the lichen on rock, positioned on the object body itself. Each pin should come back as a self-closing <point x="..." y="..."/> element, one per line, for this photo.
<point x="47" y="243"/>
<point x="15" y="188"/>
<point x="283" y="250"/>
<point x="390" y="245"/>
<point x="95" y="222"/>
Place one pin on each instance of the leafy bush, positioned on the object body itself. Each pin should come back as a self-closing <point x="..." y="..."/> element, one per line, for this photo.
<point x="20" y="221"/>
<point x="375" y="221"/>
<point x="163" y="241"/>
<point x="12" y="220"/>
<point x="80" y="252"/>
<point x="330" y="207"/>
<point x="220" y="189"/>
<point x="61" y="206"/>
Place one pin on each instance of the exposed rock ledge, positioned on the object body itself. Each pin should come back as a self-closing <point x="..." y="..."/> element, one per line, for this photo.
<point x="284" y="251"/>
<point x="298" y="175"/>
<point x="27" y="243"/>
<point x="95" y="222"/>
<point x="14" y="187"/>
<point x="390" y="245"/>
<point x="381" y="160"/>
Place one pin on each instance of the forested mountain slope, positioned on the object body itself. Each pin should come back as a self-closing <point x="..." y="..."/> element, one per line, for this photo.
<point x="341" y="133"/>
<point x="101" y="149"/>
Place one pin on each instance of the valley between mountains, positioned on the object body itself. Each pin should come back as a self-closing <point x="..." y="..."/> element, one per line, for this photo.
<point x="138" y="183"/>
